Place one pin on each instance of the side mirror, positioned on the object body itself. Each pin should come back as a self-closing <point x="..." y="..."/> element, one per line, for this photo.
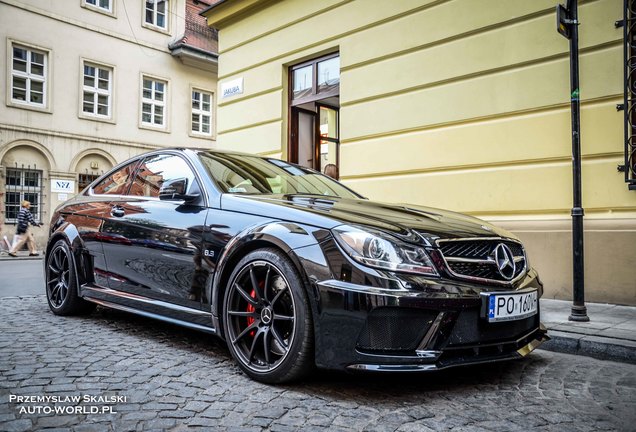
<point x="175" y="190"/>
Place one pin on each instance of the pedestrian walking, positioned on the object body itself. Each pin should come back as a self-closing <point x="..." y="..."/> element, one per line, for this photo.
<point x="23" y="234"/>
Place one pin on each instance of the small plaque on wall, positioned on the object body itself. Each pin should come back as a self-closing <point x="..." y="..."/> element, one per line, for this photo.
<point x="232" y="88"/>
<point x="63" y="186"/>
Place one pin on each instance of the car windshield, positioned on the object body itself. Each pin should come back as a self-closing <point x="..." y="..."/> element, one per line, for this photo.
<point x="244" y="174"/>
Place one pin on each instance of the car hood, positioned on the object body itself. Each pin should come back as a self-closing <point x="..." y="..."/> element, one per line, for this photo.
<point x="399" y="219"/>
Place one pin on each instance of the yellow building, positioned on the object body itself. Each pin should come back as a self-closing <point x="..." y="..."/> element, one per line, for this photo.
<point x="461" y="105"/>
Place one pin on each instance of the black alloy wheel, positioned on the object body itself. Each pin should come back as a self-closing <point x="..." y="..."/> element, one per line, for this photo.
<point x="267" y="318"/>
<point x="61" y="283"/>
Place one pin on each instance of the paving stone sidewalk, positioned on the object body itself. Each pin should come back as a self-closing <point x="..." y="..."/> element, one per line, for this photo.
<point x="176" y="379"/>
<point x="609" y="335"/>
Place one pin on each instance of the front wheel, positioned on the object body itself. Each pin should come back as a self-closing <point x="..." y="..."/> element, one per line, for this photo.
<point x="267" y="318"/>
<point x="61" y="283"/>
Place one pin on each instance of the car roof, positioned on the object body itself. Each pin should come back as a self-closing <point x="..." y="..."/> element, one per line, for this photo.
<point x="211" y="151"/>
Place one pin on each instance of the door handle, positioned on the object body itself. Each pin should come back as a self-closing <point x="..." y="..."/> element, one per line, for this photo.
<point x="117" y="211"/>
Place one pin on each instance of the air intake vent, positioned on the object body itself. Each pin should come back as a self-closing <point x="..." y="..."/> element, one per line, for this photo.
<point x="395" y="329"/>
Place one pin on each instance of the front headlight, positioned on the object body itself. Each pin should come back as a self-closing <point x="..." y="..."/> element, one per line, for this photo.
<point x="377" y="249"/>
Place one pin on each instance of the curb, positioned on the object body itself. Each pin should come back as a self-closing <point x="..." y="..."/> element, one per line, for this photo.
<point x="19" y="258"/>
<point x="601" y="348"/>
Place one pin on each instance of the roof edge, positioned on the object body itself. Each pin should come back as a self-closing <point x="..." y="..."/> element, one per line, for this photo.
<point x="225" y="11"/>
<point x="184" y="45"/>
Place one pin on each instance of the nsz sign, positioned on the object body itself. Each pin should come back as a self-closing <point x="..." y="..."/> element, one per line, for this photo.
<point x="63" y="186"/>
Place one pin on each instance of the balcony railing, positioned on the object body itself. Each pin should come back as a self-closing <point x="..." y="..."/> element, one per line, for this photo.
<point x="629" y="93"/>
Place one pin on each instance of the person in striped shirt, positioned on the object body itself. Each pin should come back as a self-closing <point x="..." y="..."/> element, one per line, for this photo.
<point x="24" y="234"/>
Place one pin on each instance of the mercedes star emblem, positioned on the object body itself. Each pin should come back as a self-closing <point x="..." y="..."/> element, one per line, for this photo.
<point x="266" y="316"/>
<point x="505" y="261"/>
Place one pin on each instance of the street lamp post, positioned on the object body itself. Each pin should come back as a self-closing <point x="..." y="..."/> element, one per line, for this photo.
<point x="567" y="25"/>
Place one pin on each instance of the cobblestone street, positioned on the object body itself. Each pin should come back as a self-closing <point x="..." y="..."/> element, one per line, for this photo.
<point x="177" y="379"/>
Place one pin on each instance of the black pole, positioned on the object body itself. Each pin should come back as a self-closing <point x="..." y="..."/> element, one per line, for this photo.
<point x="579" y="311"/>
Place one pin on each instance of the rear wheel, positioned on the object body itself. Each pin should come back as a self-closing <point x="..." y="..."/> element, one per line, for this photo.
<point x="267" y="318"/>
<point x="61" y="283"/>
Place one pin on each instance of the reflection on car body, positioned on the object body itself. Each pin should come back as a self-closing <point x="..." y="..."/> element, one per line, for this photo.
<point x="292" y="268"/>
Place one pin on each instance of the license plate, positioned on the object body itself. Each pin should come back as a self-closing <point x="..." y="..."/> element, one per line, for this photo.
<point x="510" y="307"/>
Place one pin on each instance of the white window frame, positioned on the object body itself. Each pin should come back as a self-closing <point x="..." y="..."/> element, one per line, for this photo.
<point x="110" y="10"/>
<point x="96" y="91"/>
<point x="201" y="112"/>
<point x="29" y="77"/>
<point x="153" y="25"/>
<point x="153" y="102"/>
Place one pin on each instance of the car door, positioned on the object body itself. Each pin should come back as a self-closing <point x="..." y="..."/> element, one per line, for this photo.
<point x="159" y="256"/>
<point x="88" y="215"/>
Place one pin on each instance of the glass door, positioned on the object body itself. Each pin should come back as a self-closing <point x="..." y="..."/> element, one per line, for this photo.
<point x="328" y="136"/>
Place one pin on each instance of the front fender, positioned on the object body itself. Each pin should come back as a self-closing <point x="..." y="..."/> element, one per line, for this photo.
<point x="286" y="236"/>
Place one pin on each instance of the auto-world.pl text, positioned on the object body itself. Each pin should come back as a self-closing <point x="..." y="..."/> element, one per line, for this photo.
<point x="74" y="404"/>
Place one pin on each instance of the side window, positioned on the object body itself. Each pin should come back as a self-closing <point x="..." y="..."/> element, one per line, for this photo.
<point x="117" y="183"/>
<point x="154" y="171"/>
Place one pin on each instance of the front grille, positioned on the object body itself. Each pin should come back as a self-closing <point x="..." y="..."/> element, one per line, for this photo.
<point x="394" y="329"/>
<point x="474" y="259"/>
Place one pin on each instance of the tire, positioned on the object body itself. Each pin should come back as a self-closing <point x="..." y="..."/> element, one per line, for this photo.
<point x="61" y="283"/>
<point x="267" y="318"/>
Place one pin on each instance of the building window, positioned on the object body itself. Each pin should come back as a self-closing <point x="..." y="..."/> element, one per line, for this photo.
<point x="201" y="112"/>
<point x="101" y="4"/>
<point x="23" y="184"/>
<point x="28" y="76"/>
<point x="97" y="88"/>
<point x="316" y="79"/>
<point x="153" y="102"/>
<point x="156" y="11"/>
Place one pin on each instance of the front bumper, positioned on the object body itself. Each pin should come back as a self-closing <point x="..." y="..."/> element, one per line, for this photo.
<point x="364" y="328"/>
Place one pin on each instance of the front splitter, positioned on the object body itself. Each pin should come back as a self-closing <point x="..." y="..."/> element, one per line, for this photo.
<point x="427" y="367"/>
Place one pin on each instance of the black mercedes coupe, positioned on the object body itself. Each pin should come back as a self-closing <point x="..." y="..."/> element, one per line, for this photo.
<point x="291" y="268"/>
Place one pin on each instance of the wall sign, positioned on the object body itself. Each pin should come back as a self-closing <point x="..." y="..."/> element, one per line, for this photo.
<point x="232" y="88"/>
<point x="63" y="186"/>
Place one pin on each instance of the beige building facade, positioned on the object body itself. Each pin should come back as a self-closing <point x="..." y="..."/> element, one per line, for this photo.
<point x="87" y="84"/>
<point x="452" y="104"/>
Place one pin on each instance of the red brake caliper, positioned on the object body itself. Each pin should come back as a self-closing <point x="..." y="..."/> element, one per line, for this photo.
<point x="250" y="309"/>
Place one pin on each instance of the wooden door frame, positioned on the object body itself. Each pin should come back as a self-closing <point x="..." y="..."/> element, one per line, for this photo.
<point x="315" y="97"/>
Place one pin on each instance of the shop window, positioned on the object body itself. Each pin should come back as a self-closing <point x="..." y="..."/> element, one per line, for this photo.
<point x="156" y="13"/>
<point x="201" y="113"/>
<point x="97" y="91"/>
<point x="21" y="185"/>
<point x="28" y="76"/>
<point x="153" y="102"/>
